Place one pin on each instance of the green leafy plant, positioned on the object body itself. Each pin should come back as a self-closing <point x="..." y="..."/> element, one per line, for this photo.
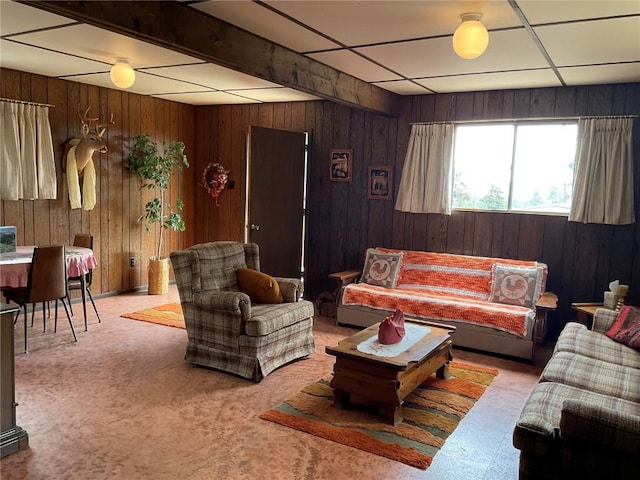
<point x="156" y="170"/>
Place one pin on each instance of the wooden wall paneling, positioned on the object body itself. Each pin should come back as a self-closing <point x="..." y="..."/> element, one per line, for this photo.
<point x="127" y="234"/>
<point x="278" y="116"/>
<point x="135" y="249"/>
<point x="391" y="125"/>
<point x="582" y="101"/>
<point x="13" y="210"/>
<point x="508" y="103"/>
<point x="236" y="166"/>
<point x="494" y="105"/>
<point x="265" y="112"/>
<point x="112" y="101"/>
<point x="171" y="121"/>
<point x="497" y="229"/>
<point x="295" y="116"/>
<point x="223" y="211"/>
<point x="357" y="201"/>
<point x="530" y="237"/>
<point x="586" y="261"/>
<point x="567" y="285"/>
<point x="437" y="232"/>
<point x="552" y="250"/>
<point x="542" y="102"/>
<point x="445" y="107"/>
<point x="480" y="100"/>
<point x="521" y="103"/>
<point x="148" y="126"/>
<point x="455" y="232"/>
<point x="377" y="155"/>
<point x="600" y="100"/>
<point x="565" y="102"/>
<point x="510" y="236"/>
<point x="341" y="126"/>
<point x="75" y="103"/>
<point x="89" y="96"/>
<point x="603" y="260"/>
<point x="469" y="229"/>
<point x="58" y="231"/>
<point x="482" y="234"/>
<point x="402" y="142"/>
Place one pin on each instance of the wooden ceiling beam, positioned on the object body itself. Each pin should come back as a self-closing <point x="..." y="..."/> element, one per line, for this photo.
<point x="178" y="27"/>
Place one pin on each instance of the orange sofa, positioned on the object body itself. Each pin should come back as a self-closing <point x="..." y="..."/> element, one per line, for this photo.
<point x="497" y="305"/>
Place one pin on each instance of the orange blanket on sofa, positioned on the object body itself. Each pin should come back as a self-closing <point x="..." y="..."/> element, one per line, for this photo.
<point x="441" y="287"/>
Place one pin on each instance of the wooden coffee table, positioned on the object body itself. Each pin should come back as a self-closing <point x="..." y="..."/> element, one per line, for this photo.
<point x="388" y="380"/>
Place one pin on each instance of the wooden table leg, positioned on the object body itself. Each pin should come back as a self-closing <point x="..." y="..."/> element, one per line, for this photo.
<point x="341" y="399"/>
<point x="393" y="413"/>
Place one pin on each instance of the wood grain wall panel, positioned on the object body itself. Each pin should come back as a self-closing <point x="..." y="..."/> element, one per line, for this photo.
<point x="223" y="210"/>
<point x="356" y="199"/>
<point x="542" y="102"/>
<point x="530" y="238"/>
<point x="113" y="221"/>
<point x="497" y="231"/>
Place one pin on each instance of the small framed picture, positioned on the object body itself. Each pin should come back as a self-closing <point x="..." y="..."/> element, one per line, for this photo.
<point x="340" y="165"/>
<point x="380" y="183"/>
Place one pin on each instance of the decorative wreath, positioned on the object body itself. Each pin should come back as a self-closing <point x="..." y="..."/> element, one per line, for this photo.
<point x="214" y="180"/>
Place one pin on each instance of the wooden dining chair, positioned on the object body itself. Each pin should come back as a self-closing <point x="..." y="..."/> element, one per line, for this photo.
<point x="47" y="282"/>
<point x="75" y="283"/>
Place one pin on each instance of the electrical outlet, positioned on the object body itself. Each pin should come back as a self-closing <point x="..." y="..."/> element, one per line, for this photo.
<point x="132" y="261"/>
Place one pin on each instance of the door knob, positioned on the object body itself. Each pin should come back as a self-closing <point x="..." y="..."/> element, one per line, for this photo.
<point x="255" y="227"/>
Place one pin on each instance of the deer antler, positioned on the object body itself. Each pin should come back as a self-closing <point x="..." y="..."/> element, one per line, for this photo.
<point x="102" y="127"/>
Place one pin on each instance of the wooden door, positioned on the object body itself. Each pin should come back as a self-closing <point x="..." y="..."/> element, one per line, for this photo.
<point x="275" y="204"/>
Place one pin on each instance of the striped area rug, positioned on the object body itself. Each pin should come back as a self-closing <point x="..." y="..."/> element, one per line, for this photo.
<point x="169" y="314"/>
<point x="431" y="413"/>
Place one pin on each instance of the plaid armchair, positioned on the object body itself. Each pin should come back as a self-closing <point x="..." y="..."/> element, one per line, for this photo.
<point x="225" y="329"/>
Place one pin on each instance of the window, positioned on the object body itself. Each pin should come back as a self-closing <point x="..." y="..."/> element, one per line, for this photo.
<point x="525" y="167"/>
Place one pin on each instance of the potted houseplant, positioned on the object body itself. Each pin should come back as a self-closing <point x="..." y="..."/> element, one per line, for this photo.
<point x="156" y="168"/>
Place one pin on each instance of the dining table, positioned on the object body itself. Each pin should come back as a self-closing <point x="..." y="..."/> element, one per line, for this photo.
<point x="14" y="266"/>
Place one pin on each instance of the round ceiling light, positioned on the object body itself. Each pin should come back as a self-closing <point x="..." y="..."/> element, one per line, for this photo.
<point x="122" y="74"/>
<point x="471" y="37"/>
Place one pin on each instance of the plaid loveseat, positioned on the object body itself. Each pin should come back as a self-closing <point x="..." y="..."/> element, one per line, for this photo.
<point x="582" y="419"/>
<point x="225" y="329"/>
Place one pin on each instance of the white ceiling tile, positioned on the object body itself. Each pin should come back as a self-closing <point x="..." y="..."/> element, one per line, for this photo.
<point x="551" y="11"/>
<point x="507" y="50"/>
<point x="90" y="42"/>
<point x="492" y="81"/>
<point x="44" y="62"/>
<point x="362" y="23"/>
<point x="16" y="17"/>
<point x="254" y="18"/>
<point x="206" y="98"/>
<point x="403" y="87"/>
<point x="617" y="73"/>
<point x="583" y="43"/>
<point x="355" y="65"/>
<point x="145" y="83"/>
<point x="212" y="76"/>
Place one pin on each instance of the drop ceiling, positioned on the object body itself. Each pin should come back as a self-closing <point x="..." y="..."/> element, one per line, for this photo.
<point x="400" y="46"/>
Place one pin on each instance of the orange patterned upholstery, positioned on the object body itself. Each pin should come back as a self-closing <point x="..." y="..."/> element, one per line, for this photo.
<point x="441" y="287"/>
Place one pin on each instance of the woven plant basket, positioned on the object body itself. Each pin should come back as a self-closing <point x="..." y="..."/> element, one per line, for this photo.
<point x="158" y="276"/>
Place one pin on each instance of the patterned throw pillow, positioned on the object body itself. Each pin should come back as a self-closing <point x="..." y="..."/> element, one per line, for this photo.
<point x="381" y="268"/>
<point x="514" y="285"/>
<point x="626" y="327"/>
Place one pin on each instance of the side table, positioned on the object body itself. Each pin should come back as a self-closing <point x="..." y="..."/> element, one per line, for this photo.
<point x="326" y="301"/>
<point x="12" y="437"/>
<point x="586" y="311"/>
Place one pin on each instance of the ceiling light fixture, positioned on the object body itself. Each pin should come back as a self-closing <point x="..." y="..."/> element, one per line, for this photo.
<point x="471" y="37"/>
<point x="122" y="74"/>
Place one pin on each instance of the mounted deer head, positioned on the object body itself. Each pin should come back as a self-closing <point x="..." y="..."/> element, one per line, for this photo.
<point x="79" y="158"/>
<point x="90" y="141"/>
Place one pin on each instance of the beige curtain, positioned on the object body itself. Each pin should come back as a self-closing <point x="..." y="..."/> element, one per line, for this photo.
<point x="603" y="178"/>
<point x="425" y="185"/>
<point x="27" y="161"/>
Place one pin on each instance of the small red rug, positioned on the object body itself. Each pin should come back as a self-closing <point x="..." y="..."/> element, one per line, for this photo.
<point x="169" y="314"/>
<point x="431" y="413"/>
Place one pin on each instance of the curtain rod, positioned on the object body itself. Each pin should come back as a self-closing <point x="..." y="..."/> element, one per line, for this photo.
<point x="27" y="103"/>
<point x="524" y="119"/>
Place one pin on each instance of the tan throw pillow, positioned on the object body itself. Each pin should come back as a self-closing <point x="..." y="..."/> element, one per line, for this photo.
<point x="381" y="268"/>
<point x="260" y="287"/>
<point x="514" y="285"/>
